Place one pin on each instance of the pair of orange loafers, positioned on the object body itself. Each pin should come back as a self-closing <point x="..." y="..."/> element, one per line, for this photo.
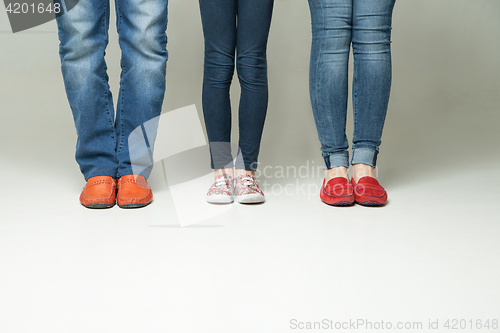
<point x="341" y="192"/>
<point x="129" y="191"/>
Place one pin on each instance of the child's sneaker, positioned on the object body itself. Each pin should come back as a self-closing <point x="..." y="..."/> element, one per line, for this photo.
<point x="247" y="190"/>
<point x="221" y="190"/>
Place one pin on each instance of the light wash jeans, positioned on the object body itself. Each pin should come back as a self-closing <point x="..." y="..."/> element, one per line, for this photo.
<point x="336" y="25"/>
<point x="102" y="146"/>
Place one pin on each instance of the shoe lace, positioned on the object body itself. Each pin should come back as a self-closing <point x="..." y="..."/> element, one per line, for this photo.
<point x="221" y="182"/>
<point x="247" y="181"/>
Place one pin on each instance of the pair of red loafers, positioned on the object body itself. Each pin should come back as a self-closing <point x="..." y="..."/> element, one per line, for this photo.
<point x="340" y="191"/>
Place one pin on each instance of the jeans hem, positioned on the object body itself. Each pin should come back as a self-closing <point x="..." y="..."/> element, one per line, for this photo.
<point x="248" y="167"/>
<point x="145" y="173"/>
<point x="364" y="155"/>
<point x="222" y="166"/>
<point x="110" y="173"/>
<point x="335" y="160"/>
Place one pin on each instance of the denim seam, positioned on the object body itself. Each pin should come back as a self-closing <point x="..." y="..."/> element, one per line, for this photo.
<point x="118" y="17"/>
<point x="122" y="89"/>
<point x="355" y="99"/>
<point x="321" y="46"/>
<point x="354" y="83"/>
<point x="106" y="92"/>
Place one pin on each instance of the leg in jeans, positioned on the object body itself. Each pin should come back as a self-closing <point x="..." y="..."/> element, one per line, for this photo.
<point x="335" y="24"/>
<point x="367" y="25"/>
<point x="219" y="30"/>
<point x="141" y="26"/>
<point x="102" y="147"/>
<point x="83" y="34"/>
<point x="254" y="21"/>
<point x="328" y="79"/>
<point x="371" y="43"/>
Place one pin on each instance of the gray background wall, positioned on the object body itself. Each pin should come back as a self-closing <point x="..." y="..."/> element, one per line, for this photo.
<point x="443" y="114"/>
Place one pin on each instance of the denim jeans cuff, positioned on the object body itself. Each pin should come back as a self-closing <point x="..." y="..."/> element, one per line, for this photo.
<point x="335" y="160"/>
<point x="246" y="166"/>
<point x="110" y="173"/>
<point x="364" y="155"/>
<point x="145" y="173"/>
<point x="222" y="165"/>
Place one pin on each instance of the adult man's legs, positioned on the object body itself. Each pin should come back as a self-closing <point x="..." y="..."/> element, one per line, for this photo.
<point x="141" y="26"/>
<point x="102" y="148"/>
<point x="83" y="34"/>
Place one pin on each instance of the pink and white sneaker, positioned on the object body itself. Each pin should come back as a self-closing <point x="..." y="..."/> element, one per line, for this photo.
<point x="247" y="190"/>
<point x="221" y="190"/>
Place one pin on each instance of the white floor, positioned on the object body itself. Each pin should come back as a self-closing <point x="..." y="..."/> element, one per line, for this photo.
<point x="431" y="254"/>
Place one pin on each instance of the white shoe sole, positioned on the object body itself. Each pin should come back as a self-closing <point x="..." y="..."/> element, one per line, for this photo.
<point x="251" y="198"/>
<point x="220" y="199"/>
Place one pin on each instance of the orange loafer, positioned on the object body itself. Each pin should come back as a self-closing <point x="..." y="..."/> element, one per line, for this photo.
<point x="133" y="192"/>
<point x="99" y="192"/>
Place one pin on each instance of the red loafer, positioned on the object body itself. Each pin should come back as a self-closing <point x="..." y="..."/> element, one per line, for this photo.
<point x="337" y="192"/>
<point x="99" y="192"/>
<point x="133" y="192"/>
<point x="368" y="192"/>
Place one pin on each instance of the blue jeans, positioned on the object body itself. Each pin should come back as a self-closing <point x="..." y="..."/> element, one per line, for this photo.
<point x="336" y="24"/>
<point x="238" y="27"/>
<point x="102" y="145"/>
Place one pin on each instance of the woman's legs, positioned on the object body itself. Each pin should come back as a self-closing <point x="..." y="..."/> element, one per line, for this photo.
<point x="328" y="80"/>
<point x="371" y="38"/>
<point x="335" y="24"/>
<point x="219" y="29"/>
